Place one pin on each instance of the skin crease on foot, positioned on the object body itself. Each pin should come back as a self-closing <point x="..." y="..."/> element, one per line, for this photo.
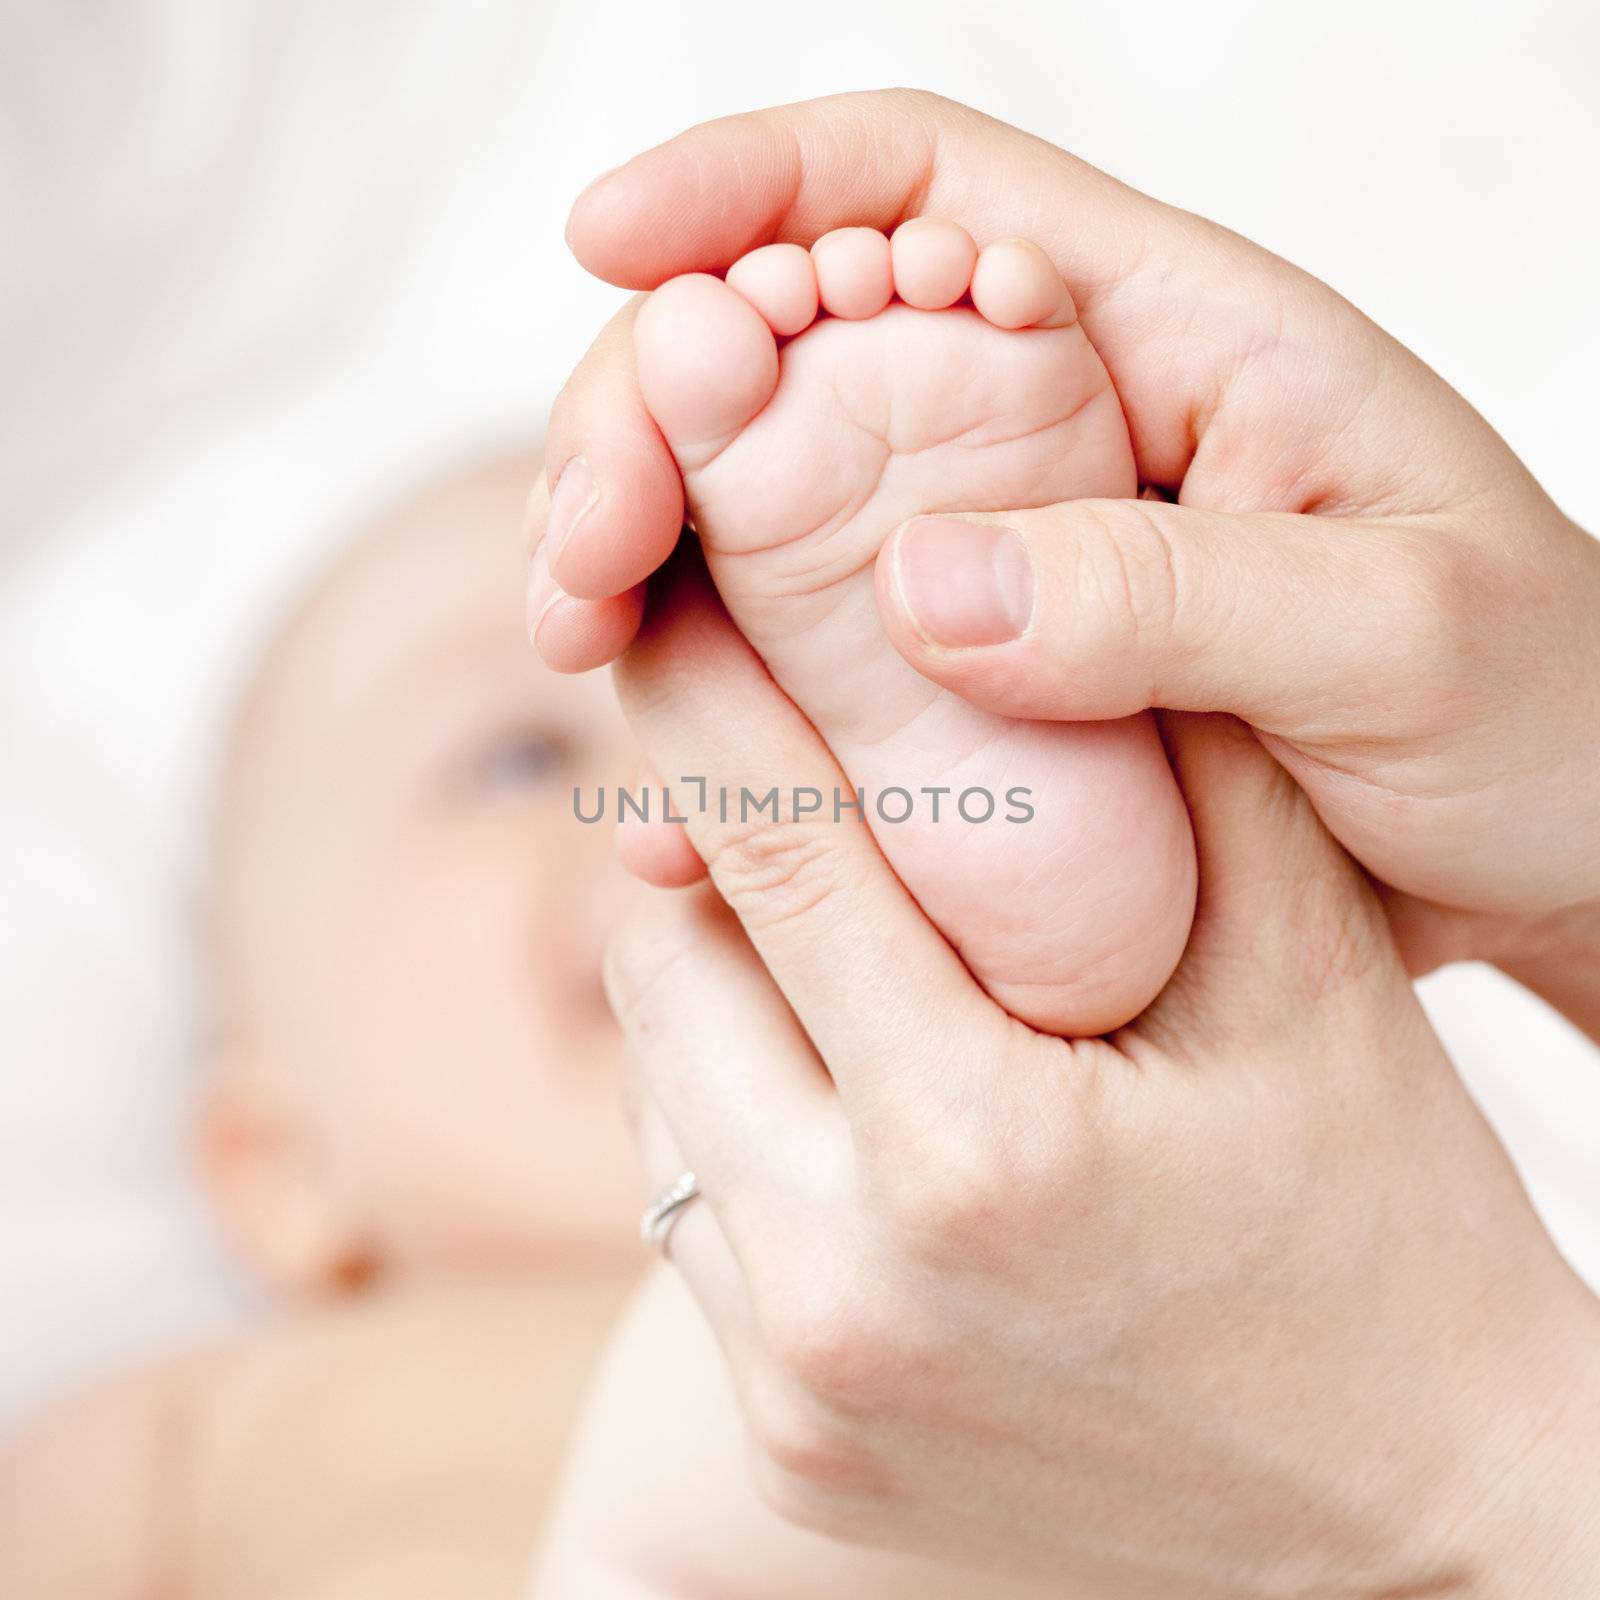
<point x="940" y="379"/>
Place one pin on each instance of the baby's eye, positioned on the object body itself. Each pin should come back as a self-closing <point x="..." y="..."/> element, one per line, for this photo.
<point x="521" y="761"/>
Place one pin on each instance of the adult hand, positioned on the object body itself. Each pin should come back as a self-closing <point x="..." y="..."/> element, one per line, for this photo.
<point x="1357" y="564"/>
<point x="1243" y="1302"/>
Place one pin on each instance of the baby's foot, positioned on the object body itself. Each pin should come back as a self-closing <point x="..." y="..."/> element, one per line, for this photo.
<point x="800" y="458"/>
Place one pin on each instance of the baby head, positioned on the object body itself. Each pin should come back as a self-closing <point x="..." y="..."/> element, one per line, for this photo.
<point x="414" y="1063"/>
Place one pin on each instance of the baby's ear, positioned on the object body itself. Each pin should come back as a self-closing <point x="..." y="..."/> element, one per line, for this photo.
<point x="271" y="1193"/>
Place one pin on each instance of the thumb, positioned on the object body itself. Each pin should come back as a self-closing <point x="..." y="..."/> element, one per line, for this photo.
<point x="1101" y="608"/>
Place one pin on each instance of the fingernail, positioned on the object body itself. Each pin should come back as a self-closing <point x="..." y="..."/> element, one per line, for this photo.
<point x="963" y="583"/>
<point x="574" y="493"/>
<point x="542" y="591"/>
<point x="535" y="514"/>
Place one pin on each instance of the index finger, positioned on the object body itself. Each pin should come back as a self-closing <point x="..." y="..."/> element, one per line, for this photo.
<point x="898" y="1020"/>
<point x="873" y="159"/>
<point x="615" y="505"/>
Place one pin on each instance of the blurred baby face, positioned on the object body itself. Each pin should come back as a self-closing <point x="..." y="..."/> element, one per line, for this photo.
<point x="409" y="919"/>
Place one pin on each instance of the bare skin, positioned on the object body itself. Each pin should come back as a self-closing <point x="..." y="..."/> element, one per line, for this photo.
<point x="398" y="1444"/>
<point x="410" y="1126"/>
<point x="1356" y="564"/>
<point x="1242" y="1303"/>
<point x="800" y="462"/>
<point x="1360" y="569"/>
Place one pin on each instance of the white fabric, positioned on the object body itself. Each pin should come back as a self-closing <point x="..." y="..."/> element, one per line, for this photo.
<point x="262" y="263"/>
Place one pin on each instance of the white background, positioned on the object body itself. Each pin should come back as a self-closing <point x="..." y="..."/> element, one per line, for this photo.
<point x="261" y="265"/>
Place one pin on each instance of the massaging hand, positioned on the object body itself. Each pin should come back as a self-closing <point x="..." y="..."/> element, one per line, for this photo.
<point x="1357" y="565"/>
<point x="1243" y="1302"/>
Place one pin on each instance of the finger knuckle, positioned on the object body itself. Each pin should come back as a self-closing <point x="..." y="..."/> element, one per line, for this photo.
<point x="838" y="1340"/>
<point x="947" y="1196"/>
<point x="776" y="872"/>
<point x="803" y="1446"/>
<point x="827" y="1346"/>
<point x="1136" y="569"/>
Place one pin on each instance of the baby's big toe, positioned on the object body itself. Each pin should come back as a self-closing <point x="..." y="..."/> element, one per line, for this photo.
<point x="707" y="363"/>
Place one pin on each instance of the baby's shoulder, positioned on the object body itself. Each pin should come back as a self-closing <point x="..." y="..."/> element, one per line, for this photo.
<point x="93" y="1486"/>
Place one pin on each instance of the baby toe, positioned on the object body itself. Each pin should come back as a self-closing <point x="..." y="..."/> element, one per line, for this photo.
<point x="933" y="260"/>
<point x="1016" y="285"/>
<point x="780" y="281"/>
<point x="706" y="363"/>
<point x="854" y="276"/>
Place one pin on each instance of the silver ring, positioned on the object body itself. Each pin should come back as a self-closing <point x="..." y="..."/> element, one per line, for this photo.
<point x="661" y="1215"/>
